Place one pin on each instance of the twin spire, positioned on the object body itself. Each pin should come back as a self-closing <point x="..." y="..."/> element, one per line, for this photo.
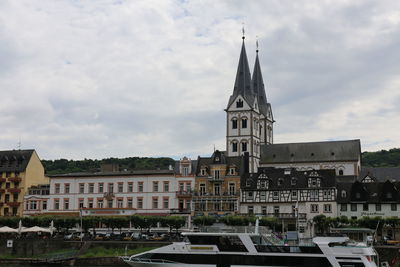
<point x="250" y="88"/>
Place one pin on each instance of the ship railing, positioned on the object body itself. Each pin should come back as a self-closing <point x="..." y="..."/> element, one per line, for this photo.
<point x="144" y="260"/>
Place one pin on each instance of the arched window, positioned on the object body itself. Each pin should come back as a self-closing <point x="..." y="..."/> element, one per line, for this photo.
<point x="341" y="172"/>
<point x="344" y="194"/>
<point x="234" y="146"/>
<point x="239" y="103"/>
<point x="244" y="123"/>
<point x="234" y="123"/>
<point x="244" y="146"/>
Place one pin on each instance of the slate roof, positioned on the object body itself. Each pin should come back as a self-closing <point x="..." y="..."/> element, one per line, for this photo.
<point x="375" y="192"/>
<point x="259" y="89"/>
<point x="243" y="84"/>
<point x="381" y="173"/>
<point x="273" y="175"/>
<point x="15" y="160"/>
<point x="347" y="150"/>
<point x="222" y="159"/>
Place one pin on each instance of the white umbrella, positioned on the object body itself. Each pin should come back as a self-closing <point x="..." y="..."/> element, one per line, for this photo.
<point x="19" y="226"/>
<point x="36" y="229"/>
<point x="51" y="227"/>
<point x="6" y="229"/>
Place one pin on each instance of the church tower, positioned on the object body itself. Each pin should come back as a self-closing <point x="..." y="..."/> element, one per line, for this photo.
<point x="248" y="114"/>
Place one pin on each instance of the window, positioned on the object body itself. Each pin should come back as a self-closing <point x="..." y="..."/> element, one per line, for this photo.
<point x="44" y="205"/>
<point x="232" y="171"/>
<point x="353" y="207"/>
<point x="120" y="187"/>
<point x="155" y="186"/>
<point x="57" y="188"/>
<point x="187" y="203"/>
<point x="378" y="207"/>
<point x="234" y="123"/>
<point x="166" y="186"/>
<point x="188" y="187"/>
<point x="232" y="188"/>
<point x="91" y="188"/>
<point x="181" y="187"/>
<point x="130" y="187"/>
<point x="140" y="203"/>
<point x="33" y="205"/>
<point x="239" y="103"/>
<point x="250" y="209"/>
<point x="244" y="146"/>
<point x="343" y="207"/>
<point x="393" y="207"/>
<point x="388" y="195"/>
<point x="216" y="174"/>
<point x="264" y="210"/>
<point x="314" y="195"/>
<point x="101" y="188"/>
<point x="155" y="202"/>
<point x="276" y="195"/>
<point x="203" y="172"/>
<point x="327" y="208"/>
<point x="56" y="204"/>
<point x="81" y="204"/>
<point x="217" y="189"/>
<point x="358" y="195"/>
<point x="110" y="203"/>
<point x="66" y="204"/>
<point x="293" y="181"/>
<point x="110" y="188"/>
<point x="294" y="195"/>
<point x="250" y="195"/>
<point x="130" y="203"/>
<point x="120" y="203"/>
<point x="344" y="194"/>
<point x="263" y="196"/>
<point x="276" y="209"/>
<point x="234" y="147"/>
<point x="166" y="203"/>
<point x="280" y="181"/>
<point x="244" y="123"/>
<point x="185" y="171"/>
<point x="202" y="189"/>
<point x="340" y="172"/>
<point x="140" y="186"/>
<point x="66" y="188"/>
<point x="81" y="188"/>
<point x="90" y="203"/>
<point x="100" y="203"/>
<point x="365" y="207"/>
<point x="314" y="208"/>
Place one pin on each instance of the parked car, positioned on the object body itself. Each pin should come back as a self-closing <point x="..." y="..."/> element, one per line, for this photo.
<point x="99" y="237"/>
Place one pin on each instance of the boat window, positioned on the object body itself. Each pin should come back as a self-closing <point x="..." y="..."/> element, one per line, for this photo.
<point x="288" y="249"/>
<point x="224" y="243"/>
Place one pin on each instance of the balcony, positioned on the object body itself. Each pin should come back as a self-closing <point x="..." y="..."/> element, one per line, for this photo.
<point x="15" y="179"/>
<point x="225" y="194"/>
<point x="13" y="204"/>
<point x="286" y="215"/>
<point x="186" y="194"/>
<point x="2" y="190"/>
<point x="3" y="180"/>
<point x="14" y="190"/>
<point x="215" y="179"/>
<point x="180" y="211"/>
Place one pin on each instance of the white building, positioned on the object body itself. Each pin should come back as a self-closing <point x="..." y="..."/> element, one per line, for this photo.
<point x="115" y="193"/>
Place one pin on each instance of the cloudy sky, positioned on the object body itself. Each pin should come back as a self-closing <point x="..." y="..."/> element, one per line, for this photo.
<point x="115" y="78"/>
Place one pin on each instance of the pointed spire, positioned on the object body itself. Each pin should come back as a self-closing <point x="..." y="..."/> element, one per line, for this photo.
<point x="243" y="78"/>
<point x="258" y="85"/>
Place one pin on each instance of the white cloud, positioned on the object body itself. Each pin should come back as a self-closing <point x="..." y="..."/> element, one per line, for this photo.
<point x="106" y="78"/>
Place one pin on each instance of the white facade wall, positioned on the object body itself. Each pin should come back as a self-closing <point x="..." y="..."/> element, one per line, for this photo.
<point x="386" y="210"/>
<point x="147" y="195"/>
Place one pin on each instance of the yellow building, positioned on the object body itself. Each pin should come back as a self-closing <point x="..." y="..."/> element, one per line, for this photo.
<point x="19" y="170"/>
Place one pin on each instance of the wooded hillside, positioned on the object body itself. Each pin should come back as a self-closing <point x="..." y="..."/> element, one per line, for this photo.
<point x="383" y="158"/>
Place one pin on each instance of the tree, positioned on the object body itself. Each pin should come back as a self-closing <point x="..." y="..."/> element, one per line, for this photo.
<point x="204" y="220"/>
<point x="320" y="222"/>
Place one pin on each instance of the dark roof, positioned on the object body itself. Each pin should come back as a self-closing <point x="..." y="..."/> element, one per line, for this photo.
<point x="124" y="173"/>
<point x="259" y="89"/>
<point x="218" y="157"/>
<point x="15" y="160"/>
<point x="193" y="163"/>
<point x="374" y="192"/>
<point x="381" y="173"/>
<point x="285" y="176"/>
<point x="347" y="150"/>
<point x="243" y="85"/>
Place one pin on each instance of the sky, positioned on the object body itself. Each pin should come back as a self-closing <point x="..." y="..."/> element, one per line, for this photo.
<point x="114" y="78"/>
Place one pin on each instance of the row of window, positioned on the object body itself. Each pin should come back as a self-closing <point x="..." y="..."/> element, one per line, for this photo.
<point x="366" y="207"/>
<point x="120" y="188"/>
<point x="313" y="195"/>
<point x="217" y="173"/>
<point x="264" y="183"/>
<point x="9" y="174"/>
<point x="111" y="203"/>
<point x="217" y="189"/>
<point x="314" y="208"/>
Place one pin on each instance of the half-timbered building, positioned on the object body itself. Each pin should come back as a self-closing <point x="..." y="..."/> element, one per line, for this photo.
<point x="294" y="197"/>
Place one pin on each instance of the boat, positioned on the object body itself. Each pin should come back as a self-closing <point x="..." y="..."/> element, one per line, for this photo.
<point x="255" y="250"/>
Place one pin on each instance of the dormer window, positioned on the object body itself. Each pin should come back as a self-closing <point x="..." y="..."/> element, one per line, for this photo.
<point x="248" y="183"/>
<point x="203" y="172"/>
<point x="344" y="194"/>
<point x="293" y="181"/>
<point x="314" y="182"/>
<point x="358" y="195"/>
<point x="280" y="182"/>
<point x="239" y="103"/>
<point x="388" y="195"/>
<point x="340" y="172"/>
<point x="231" y="171"/>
